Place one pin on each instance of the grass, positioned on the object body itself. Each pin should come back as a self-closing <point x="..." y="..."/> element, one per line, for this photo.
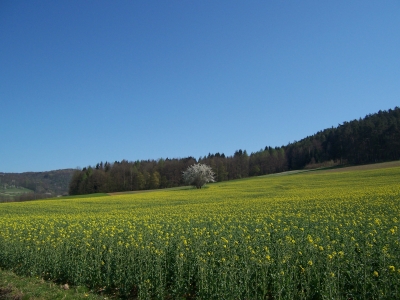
<point x="96" y="195"/>
<point x="376" y="166"/>
<point x="13" y="287"/>
<point x="149" y="191"/>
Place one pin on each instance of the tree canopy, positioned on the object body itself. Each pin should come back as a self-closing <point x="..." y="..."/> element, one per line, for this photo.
<point x="198" y="175"/>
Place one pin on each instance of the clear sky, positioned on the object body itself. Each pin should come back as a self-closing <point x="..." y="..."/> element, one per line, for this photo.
<point x="89" y="81"/>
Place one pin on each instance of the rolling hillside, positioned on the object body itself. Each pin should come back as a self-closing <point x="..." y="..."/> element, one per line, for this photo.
<point x="34" y="185"/>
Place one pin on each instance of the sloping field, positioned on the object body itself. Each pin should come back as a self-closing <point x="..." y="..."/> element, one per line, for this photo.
<point x="312" y="235"/>
<point x="384" y="165"/>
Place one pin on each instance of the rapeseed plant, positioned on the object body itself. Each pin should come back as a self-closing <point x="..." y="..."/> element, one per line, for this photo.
<point x="235" y="240"/>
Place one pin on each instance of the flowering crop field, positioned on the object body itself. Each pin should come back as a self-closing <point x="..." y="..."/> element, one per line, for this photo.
<point x="312" y="235"/>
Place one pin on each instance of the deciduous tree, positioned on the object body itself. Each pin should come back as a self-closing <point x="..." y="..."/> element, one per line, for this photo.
<point x="198" y="175"/>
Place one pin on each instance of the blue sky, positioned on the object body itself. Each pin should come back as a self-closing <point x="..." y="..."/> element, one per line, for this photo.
<point x="89" y="81"/>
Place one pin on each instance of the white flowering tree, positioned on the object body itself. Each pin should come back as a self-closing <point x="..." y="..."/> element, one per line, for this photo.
<point x="198" y="175"/>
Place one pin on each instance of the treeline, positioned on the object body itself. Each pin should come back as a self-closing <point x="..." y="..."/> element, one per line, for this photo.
<point x="375" y="138"/>
<point x="165" y="173"/>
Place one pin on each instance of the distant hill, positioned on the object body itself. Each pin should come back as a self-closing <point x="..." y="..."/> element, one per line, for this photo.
<point x="375" y="138"/>
<point x="34" y="185"/>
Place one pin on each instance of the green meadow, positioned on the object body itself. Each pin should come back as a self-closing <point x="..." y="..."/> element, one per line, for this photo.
<point x="10" y="193"/>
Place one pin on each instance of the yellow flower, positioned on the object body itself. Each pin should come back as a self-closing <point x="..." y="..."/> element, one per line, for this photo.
<point x="392" y="268"/>
<point x="310" y="263"/>
<point x="376" y="274"/>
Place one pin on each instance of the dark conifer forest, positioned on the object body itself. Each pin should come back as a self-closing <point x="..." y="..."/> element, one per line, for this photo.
<point x="375" y="138"/>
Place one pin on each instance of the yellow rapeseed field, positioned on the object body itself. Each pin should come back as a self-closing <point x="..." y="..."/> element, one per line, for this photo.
<point x="312" y="235"/>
